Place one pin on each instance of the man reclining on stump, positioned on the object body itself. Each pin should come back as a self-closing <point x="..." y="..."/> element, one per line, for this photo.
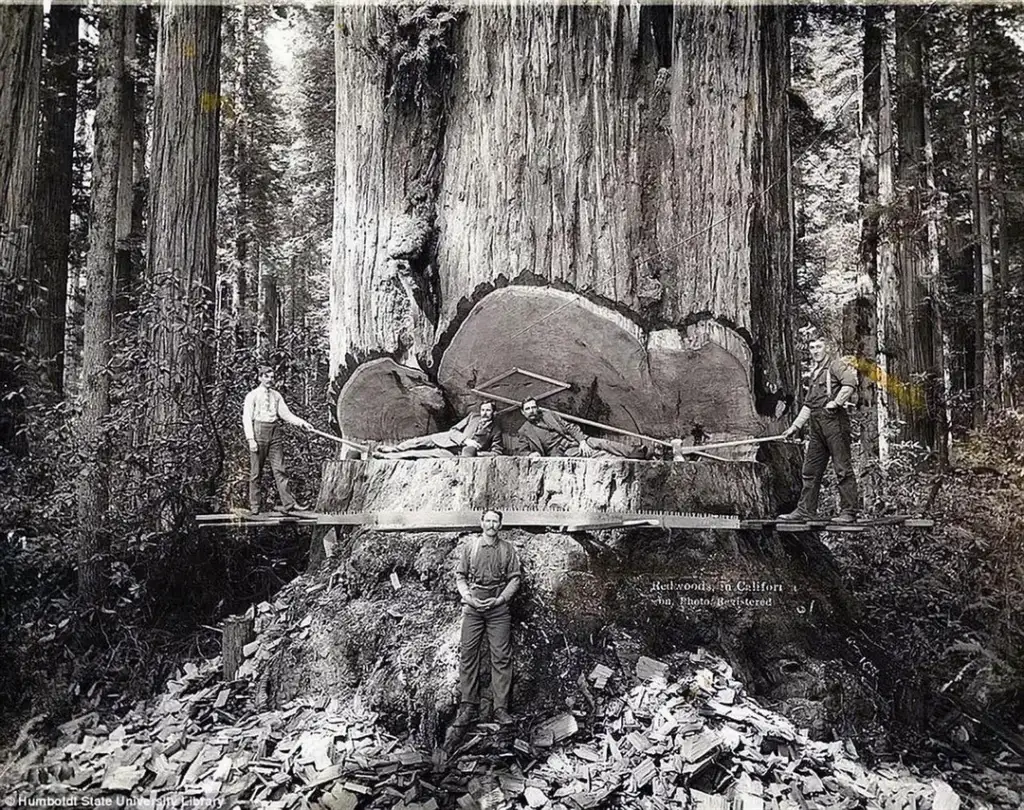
<point x="547" y="434"/>
<point x="475" y="434"/>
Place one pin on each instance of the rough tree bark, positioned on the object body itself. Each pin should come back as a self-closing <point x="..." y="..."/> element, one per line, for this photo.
<point x="52" y="215"/>
<point x="20" y="61"/>
<point x="622" y="172"/>
<point x="1004" y="352"/>
<point x="986" y="376"/>
<point x="887" y="311"/>
<point x="915" y="355"/>
<point x="867" y="303"/>
<point x="124" y="280"/>
<point x="183" y="205"/>
<point x="93" y="443"/>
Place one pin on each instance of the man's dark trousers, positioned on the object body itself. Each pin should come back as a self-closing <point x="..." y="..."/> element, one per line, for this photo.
<point x="829" y="435"/>
<point x="496" y="625"/>
<point x="269" y="447"/>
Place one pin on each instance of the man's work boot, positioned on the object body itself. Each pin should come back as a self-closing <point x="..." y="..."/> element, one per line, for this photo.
<point x="845" y="517"/>
<point x="465" y="715"/>
<point x="502" y="717"/>
<point x="796" y="516"/>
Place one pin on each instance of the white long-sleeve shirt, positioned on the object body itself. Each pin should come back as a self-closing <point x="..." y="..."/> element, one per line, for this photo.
<point x="265" y="405"/>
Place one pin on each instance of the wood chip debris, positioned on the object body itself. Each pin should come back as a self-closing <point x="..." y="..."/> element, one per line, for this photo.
<point x="697" y="741"/>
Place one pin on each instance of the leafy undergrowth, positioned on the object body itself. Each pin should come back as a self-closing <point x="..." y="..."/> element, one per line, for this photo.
<point x="946" y="602"/>
<point x="163" y="587"/>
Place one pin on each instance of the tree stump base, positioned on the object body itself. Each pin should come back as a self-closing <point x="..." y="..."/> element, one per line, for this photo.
<point x="563" y="484"/>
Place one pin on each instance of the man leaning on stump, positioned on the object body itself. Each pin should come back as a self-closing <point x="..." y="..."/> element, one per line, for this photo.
<point x="544" y="433"/>
<point x="475" y="434"/>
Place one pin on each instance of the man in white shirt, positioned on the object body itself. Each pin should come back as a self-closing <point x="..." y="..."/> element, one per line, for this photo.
<point x="263" y="413"/>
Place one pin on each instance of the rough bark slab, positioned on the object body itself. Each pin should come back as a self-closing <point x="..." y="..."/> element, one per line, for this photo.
<point x="238" y="631"/>
<point x="560" y="484"/>
<point x="383" y="401"/>
<point x="659" y="384"/>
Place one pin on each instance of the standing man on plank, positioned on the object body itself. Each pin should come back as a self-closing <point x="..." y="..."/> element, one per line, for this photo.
<point x="263" y="415"/>
<point x="487" y="575"/>
<point x="831" y="384"/>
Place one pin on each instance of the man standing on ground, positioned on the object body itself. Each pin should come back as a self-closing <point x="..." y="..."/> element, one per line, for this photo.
<point x="831" y="385"/>
<point x="475" y="434"/>
<point x="548" y="434"/>
<point x="263" y="415"/>
<point x="487" y="575"/>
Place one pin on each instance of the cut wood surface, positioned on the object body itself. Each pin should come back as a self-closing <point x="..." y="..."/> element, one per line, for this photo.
<point x="384" y="401"/>
<point x="654" y="384"/>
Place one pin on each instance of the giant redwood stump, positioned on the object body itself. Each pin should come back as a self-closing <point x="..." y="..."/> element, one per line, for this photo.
<point x="599" y="195"/>
<point x="596" y="194"/>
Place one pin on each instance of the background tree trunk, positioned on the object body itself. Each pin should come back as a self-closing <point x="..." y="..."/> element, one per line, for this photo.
<point x="21" y="29"/>
<point x="980" y="379"/>
<point x="887" y="302"/>
<point x="987" y="293"/>
<point x="125" y="277"/>
<point x="1002" y="216"/>
<point x="142" y="88"/>
<point x="93" y="443"/>
<point x="54" y="185"/>
<point x="867" y="304"/>
<point x="635" y="156"/>
<point x="918" y="350"/>
<point x="181" y="236"/>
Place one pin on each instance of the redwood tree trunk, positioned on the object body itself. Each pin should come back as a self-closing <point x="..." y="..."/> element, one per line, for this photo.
<point x="93" y="443"/>
<point x="916" y="356"/>
<point x="181" y="235"/>
<point x="20" y="58"/>
<point x="887" y="301"/>
<point x="867" y="304"/>
<point x="52" y="216"/>
<point x="125" y="279"/>
<point x="623" y="171"/>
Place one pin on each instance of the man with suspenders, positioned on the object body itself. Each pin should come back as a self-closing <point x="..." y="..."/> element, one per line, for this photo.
<point x="831" y="385"/>
<point x="487" y="575"/>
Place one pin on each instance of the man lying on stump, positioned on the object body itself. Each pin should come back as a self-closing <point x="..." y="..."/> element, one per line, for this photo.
<point x="487" y="575"/>
<point x="548" y="434"/>
<point x="475" y="434"/>
<point x="831" y="384"/>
